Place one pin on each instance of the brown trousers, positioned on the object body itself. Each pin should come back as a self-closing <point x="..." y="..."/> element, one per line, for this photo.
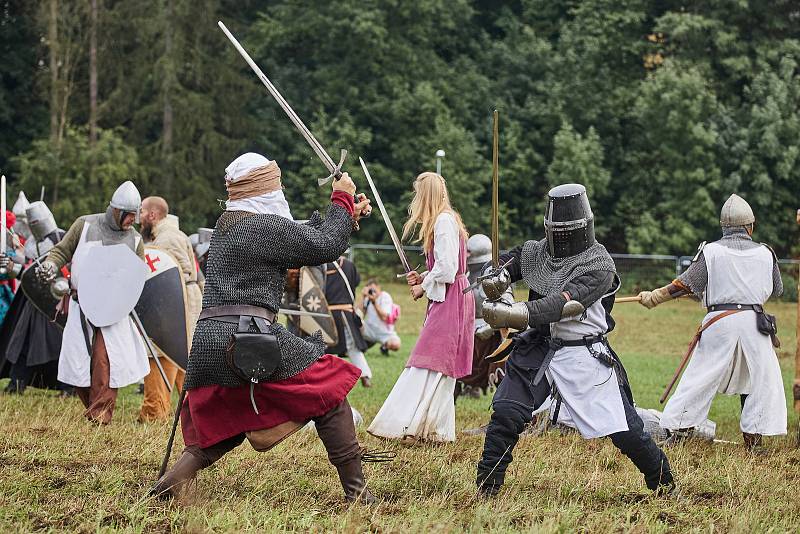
<point x="157" y="405"/>
<point x="99" y="398"/>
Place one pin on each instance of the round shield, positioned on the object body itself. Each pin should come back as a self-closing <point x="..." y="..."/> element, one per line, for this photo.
<point x="110" y="282"/>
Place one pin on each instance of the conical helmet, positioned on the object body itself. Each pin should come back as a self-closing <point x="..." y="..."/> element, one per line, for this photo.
<point x="736" y="212"/>
<point x="127" y="198"/>
<point x="20" y="206"/>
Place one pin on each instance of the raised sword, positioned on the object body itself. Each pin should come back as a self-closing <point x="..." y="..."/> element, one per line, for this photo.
<point x="395" y="240"/>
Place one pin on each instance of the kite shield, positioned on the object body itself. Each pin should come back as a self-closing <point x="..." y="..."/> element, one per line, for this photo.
<point x="162" y="306"/>
<point x="312" y="299"/>
<point x="110" y="283"/>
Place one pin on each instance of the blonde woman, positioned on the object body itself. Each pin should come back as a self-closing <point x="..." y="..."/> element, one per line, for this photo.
<point x="420" y="407"/>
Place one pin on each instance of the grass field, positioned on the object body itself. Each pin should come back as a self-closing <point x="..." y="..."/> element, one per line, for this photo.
<point x="59" y="473"/>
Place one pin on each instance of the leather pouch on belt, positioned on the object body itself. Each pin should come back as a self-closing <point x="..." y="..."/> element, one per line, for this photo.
<point x="253" y="356"/>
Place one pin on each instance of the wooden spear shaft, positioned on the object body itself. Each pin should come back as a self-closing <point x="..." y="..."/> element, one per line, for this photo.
<point x="796" y="388"/>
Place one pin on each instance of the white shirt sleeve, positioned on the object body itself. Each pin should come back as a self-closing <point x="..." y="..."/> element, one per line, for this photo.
<point x="445" y="254"/>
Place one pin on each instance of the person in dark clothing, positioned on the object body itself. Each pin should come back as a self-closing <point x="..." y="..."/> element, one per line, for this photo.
<point x="341" y="280"/>
<point x="563" y="349"/>
<point x="30" y="342"/>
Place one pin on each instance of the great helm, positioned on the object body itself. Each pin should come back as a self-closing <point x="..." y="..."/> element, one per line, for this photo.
<point x="736" y="212"/>
<point x="40" y="220"/>
<point x="127" y="199"/>
<point x="568" y="221"/>
<point x="479" y="247"/>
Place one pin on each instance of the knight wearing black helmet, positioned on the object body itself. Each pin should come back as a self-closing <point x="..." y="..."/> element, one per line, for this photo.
<point x="562" y="347"/>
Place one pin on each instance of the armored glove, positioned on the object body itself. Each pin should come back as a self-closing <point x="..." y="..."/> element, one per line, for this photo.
<point x="9" y="267"/>
<point x="46" y="272"/>
<point x="502" y="315"/>
<point x="484" y="332"/>
<point x="572" y="308"/>
<point x="496" y="285"/>
<point x="651" y="299"/>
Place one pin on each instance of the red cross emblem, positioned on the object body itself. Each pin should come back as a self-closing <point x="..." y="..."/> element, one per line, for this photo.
<point x="151" y="262"/>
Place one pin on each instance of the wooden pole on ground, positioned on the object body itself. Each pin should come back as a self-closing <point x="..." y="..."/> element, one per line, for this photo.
<point x="796" y="388"/>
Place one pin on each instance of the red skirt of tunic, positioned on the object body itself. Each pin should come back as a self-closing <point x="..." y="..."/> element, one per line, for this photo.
<point x="215" y="413"/>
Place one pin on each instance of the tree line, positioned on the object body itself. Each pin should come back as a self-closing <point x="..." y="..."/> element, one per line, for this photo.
<point x="661" y="108"/>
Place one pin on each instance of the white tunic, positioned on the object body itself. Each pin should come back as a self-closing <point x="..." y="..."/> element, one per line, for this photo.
<point x="127" y="356"/>
<point x="732" y="356"/>
<point x="588" y="387"/>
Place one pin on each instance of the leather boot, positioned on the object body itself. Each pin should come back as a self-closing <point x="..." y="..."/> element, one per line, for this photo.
<point x="174" y="480"/>
<point x="752" y="442"/>
<point x="338" y="434"/>
<point x="355" y="487"/>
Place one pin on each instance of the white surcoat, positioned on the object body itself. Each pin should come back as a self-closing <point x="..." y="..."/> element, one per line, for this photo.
<point x="127" y="355"/>
<point x="732" y="356"/>
<point x="587" y="386"/>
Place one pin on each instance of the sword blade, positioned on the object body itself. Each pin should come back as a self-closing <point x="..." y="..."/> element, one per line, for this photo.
<point x="298" y="123"/>
<point x="302" y="313"/>
<point x="395" y="240"/>
<point x="495" y="192"/>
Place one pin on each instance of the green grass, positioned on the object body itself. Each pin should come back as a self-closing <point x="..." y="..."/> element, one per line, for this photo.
<point x="59" y="473"/>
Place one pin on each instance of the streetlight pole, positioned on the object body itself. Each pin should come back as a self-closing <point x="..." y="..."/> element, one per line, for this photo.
<point x="439" y="156"/>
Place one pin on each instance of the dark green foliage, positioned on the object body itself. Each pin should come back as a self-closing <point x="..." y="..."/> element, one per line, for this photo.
<point x="662" y="108"/>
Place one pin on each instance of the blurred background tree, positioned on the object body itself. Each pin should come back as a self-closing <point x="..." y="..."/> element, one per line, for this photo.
<point x="662" y="108"/>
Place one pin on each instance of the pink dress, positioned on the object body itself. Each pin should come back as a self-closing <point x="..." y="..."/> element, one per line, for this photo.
<point x="420" y="406"/>
<point x="446" y="340"/>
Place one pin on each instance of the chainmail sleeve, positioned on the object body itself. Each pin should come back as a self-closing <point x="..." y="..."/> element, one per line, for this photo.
<point x="319" y="242"/>
<point x="696" y="276"/>
<point x="777" y="281"/>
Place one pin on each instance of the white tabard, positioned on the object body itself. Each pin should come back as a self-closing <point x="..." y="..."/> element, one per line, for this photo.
<point x="127" y="356"/>
<point x="588" y="387"/>
<point x="732" y="356"/>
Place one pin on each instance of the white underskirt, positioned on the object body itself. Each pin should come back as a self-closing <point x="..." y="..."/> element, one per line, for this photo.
<point x="419" y="407"/>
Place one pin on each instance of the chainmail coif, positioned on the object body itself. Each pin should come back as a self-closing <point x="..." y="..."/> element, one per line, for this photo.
<point x="247" y="263"/>
<point x="546" y="275"/>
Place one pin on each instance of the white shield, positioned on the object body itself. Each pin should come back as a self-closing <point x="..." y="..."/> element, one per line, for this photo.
<point x="111" y="280"/>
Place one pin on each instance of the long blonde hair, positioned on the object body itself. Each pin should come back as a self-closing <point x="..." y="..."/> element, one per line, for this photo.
<point x="430" y="200"/>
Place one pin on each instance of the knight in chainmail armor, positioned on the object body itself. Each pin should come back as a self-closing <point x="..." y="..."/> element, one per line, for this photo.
<point x="254" y="242"/>
<point x="733" y="276"/>
<point x="562" y="349"/>
<point x="29" y="341"/>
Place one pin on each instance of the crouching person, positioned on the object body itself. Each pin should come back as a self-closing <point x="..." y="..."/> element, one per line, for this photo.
<point x="254" y="242"/>
<point x="563" y="350"/>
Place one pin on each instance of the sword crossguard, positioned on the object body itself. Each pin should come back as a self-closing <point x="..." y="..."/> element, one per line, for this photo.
<point x="337" y="170"/>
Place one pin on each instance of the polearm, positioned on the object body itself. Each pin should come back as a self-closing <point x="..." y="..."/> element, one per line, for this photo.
<point x="392" y="235"/>
<point x="335" y="169"/>
<point x="3" y="228"/>
<point x="496" y="192"/>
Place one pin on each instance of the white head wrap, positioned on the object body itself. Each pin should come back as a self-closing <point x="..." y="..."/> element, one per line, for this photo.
<point x="269" y="203"/>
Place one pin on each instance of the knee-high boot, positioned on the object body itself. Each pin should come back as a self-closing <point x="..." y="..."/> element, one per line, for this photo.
<point x="338" y="434"/>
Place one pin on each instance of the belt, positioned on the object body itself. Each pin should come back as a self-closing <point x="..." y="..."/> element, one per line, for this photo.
<point x="724" y="307"/>
<point x="340" y="307"/>
<point x="557" y="343"/>
<point x="232" y="313"/>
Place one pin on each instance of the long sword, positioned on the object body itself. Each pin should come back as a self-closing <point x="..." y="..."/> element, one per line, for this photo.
<point x="395" y="241"/>
<point x="334" y="169"/>
<point x="495" y="192"/>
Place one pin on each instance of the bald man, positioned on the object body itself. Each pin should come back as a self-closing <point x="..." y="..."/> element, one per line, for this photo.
<point x="160" y="231"/>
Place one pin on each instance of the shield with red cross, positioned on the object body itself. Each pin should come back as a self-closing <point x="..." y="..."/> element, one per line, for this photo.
<point x="162" y="306"/>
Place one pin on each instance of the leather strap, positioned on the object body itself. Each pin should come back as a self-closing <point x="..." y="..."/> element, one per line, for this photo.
<point x="690" y="350"/>
<point x="237" y="310"/>
<point x="340" y="307"/>
<point x="556" y="344"/>
<point x="742" y="307"/>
